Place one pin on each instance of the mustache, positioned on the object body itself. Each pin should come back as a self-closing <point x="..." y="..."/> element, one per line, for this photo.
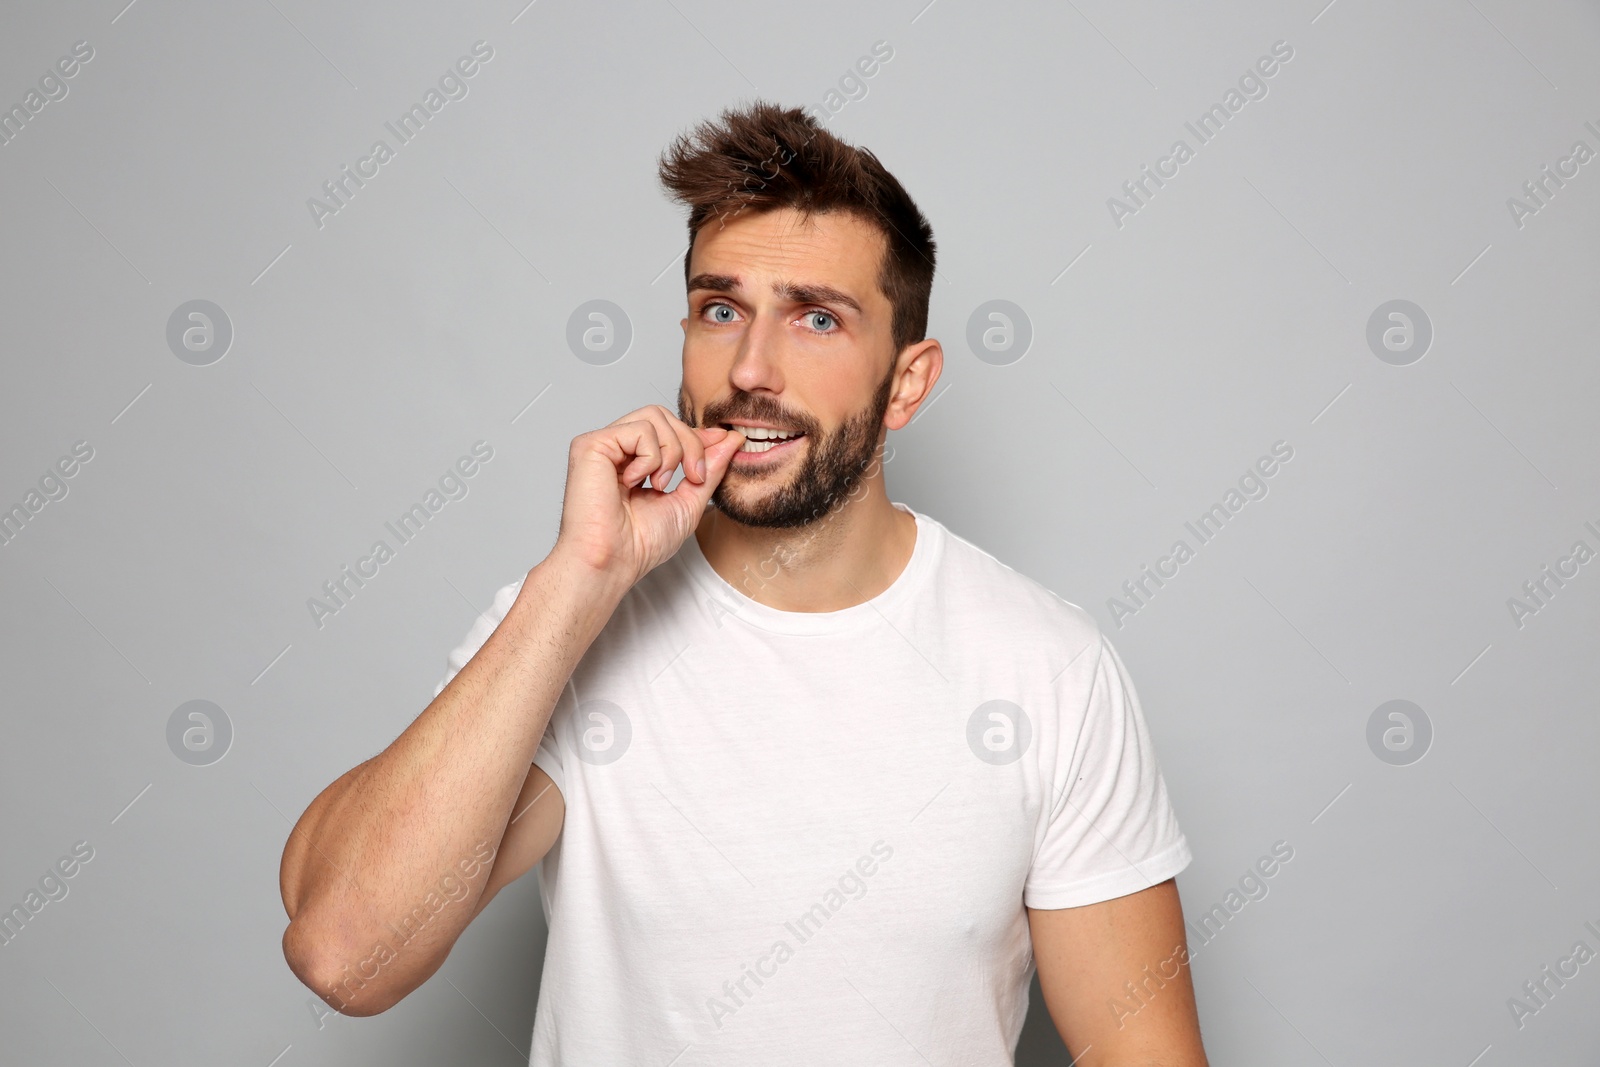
<point x="756" y="410"/>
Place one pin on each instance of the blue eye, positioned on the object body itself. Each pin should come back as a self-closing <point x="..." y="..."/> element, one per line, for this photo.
<point x="719" y="308"/>
<point x="824" y="315"/>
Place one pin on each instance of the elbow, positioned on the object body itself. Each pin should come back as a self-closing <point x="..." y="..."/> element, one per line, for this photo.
<point x="349" y="988"/>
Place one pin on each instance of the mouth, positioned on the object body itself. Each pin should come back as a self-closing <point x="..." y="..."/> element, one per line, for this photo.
<point x="759" y="440"/>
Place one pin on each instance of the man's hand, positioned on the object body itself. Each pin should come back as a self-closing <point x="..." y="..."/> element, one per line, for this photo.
<point x="609" y="522"/>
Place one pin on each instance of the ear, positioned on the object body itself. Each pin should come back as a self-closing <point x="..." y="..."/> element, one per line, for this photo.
<point x="918" y="371"/>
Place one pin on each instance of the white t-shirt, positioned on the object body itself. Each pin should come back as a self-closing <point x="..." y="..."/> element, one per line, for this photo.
<point x="808" y="837"/>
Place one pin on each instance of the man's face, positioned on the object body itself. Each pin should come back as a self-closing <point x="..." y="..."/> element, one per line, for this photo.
<point x="787" y="330"/>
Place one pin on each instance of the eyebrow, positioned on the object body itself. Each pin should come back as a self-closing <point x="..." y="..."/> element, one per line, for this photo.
<point x="813" y="293"/>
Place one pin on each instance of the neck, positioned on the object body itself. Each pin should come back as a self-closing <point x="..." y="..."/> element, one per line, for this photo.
<point x="844" y="558"/>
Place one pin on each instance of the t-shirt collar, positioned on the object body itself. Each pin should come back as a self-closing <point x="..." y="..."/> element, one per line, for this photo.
<point x="740" y="605"/>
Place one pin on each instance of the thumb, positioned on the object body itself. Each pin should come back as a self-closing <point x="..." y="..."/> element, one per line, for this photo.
<point x="719" y="455"/>
<point x="720" y="445"/>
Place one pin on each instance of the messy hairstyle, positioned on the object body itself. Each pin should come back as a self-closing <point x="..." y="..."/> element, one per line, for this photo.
<point x="763" y="157"/>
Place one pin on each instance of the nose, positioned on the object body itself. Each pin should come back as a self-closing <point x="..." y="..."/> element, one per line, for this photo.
<point x="758" y="363"/>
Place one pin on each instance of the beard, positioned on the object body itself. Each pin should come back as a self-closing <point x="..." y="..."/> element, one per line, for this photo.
<point x="832" y="466"/>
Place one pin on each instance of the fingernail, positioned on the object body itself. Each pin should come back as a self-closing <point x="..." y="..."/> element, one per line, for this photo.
<point x="700" y="468"/>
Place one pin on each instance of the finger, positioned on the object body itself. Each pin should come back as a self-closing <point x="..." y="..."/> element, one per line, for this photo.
<point x="671" y="432"/>
<point x="673" y="435"/>
<point x="639" y="441"/>
<point x="691" y="448"/>
<point x="720" y="445"/>
<point x="717" y="462"/>
<point x="671" y="445"/>
<point x="660" y="447"/>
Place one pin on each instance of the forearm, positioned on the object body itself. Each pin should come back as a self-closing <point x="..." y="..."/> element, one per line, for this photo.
<point x="366" y="855"/>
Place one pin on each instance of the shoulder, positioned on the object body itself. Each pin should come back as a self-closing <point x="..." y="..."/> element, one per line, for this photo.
<point x="982" y="586"/>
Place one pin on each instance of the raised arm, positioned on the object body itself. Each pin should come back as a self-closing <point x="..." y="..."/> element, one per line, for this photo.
<point x="432" y="812"/>
<point x="1115" y="977"/>
<point x="447" y="814"/>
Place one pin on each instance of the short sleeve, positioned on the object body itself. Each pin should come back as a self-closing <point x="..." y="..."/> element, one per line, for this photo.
<point x="1111" y="830"/>
<point x="548" y="756"/>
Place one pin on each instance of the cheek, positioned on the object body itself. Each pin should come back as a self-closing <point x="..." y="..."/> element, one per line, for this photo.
<point x="705" y="382"/>
<point x="844" y="396"/>
<point x="704" y="379"/>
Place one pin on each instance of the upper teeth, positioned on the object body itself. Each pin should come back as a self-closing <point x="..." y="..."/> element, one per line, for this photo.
<point x="758" y="433"/>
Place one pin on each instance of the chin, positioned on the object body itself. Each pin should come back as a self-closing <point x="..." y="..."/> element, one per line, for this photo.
<point x="754" y="510"/>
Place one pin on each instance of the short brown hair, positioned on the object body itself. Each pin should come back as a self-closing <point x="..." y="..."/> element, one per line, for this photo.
<point x="764" y="157"/>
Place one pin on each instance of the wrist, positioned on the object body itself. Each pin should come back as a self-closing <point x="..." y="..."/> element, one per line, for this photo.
<point x="585" y="585"/>
<point x="560" y="610"/>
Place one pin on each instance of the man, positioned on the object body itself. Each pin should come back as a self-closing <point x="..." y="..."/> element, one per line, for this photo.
<point x="813" y="780"/>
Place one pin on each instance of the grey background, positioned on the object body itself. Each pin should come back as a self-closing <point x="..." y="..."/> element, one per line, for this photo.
<point x="1229" y="313"/>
